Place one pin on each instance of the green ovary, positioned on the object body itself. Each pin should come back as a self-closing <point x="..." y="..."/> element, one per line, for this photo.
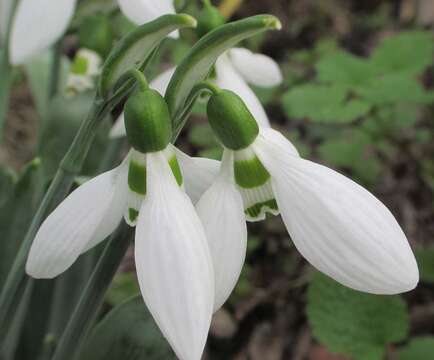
<point x="79" y="66"/>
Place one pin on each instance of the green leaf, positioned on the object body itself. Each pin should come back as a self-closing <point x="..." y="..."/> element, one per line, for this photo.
<point x="409" y="52"/>
<point x="38" y="73"/>
<point x="353" y="150"/>
<point x="393" y="88"/>
<point x="7" y="182"/>
<point x="201" y="135"/>
<point x="64" y="118"/>
<point x="17" y="212"/>
<point x="420" y="348"/>
<point x="127" y="332"/>
<point x="123" y="287"/>
<point x="197" y="65"/>
<point x="425" y="261"/>
<point x="353" y="323"/>
<point x="344" y="69"/>
<point x="323" y="103"/>
<point x="135" y="48"/>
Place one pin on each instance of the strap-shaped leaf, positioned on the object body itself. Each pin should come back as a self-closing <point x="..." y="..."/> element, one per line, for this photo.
<point x="198" y="63"/>
<point x="127" y="332"/>
<point x="134" y="49"/>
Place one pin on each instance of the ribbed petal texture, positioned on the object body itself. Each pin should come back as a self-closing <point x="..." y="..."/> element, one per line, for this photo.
<point x="174" y="266"/>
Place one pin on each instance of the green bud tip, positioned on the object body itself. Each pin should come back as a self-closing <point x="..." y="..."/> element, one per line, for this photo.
<point x="147" y="121"/>
<point x="231" y="120"/>
<point x="273" y="22"/>
<point x="188" y="20"/>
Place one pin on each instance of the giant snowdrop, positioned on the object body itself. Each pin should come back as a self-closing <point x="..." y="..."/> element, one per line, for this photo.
<point x="337" y="225"/>
<point x="173" y="262"/>
<point x="36" y="26"/>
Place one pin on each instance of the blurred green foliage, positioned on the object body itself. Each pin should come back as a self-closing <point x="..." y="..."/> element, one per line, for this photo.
<point x="353" y="323"/>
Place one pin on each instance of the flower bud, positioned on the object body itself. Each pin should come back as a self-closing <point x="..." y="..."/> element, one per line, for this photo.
<point x="147" y="121"/>
<point x="231" y="120"/>
<point x="209" y="19"/>
<point x="96" y="34"/>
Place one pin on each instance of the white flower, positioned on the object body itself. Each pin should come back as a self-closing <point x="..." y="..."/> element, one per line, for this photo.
<point x="84" y="69"/>
<point x="338" y="226"/>
<point x="143" y="11"/>
<point x="37" y="25"/>
<point x="173" y="263"/>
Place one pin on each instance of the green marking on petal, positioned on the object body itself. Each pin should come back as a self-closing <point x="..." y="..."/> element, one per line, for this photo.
<point x="266" y="206"/>
<point x="79" y="66"/>
<point x="137" y="177"/>
<point x="132" y="214"/>
<point x="176" y="170"/>
<point x="250" y="173"/>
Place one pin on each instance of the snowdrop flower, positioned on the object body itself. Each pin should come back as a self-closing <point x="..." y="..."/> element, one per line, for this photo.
<point x="338" y="226"/>
<point x="84" y="69"/>
<point x="36" y="26"/>
<point x="173" y="262"/>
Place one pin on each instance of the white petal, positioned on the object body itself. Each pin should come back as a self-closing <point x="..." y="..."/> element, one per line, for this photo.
<point x="118" y="129"/>
<point x="37" y="25"/>
<point x="228" y="78"/>
<point x="159" y="84"/>
<point x="342" y="229"/>
<point x="257" y="69"/>
<point x="277" y="142"/>
<point x="222" y="214"/>
<point x="173" y="262"/>
<point x="85" y="218"/>
<point x="198" y="173"/>
<point x="143" y="11"/>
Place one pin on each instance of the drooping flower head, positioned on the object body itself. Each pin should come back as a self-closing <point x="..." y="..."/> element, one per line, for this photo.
<point x="337" y="225"/>
<point x="173" y="262"/>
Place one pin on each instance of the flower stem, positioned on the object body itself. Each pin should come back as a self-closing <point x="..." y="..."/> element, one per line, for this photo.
<point x="68" y="169"/>
<point x="6" y="70"/>
<point x="5" y="87"/>
<point x="53" y="87"/>
<point x="93" y="295"/>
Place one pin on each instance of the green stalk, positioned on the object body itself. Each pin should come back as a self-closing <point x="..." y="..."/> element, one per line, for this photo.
<point x="6" y="71"/>
<point x="53" y="87"/>
<point x="93" y="295"/>
<point x="68" y="169"/>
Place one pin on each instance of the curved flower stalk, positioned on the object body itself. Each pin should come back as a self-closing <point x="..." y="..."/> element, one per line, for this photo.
<point x="234" y="70"/>
<point x="173" y="262"/>
<point x="35" y="27"/>
<point x="338" y="226"/>
<point x="159" y="84"/>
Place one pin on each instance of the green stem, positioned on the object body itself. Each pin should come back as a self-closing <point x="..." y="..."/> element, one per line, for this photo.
<point x="6" y="70"/>
<point x="53" y="87"/>
<point x="140" y="77"/>
<point x="93" y="295"/>
<point x="5" y="87"/>
<point x="69" y="168"/>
